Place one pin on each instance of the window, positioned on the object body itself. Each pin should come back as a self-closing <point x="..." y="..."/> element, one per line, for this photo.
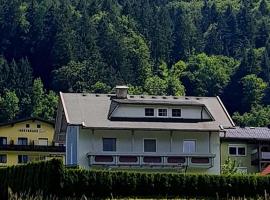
<point x="176" y="112"/>
<point x="237" y="150"/>
<point x="22" y="158"/>
<point x="38" y="125"/>
<point x="109" y="144"/>
<point x="149" y="112"/>
<point x="150" y="145"/>
<point x="162" y="112"/>
<point x="43" y="141"/>
<point x="3" y="158"/>
<point x="3" y="140"/>
<point x="22" y="141"/>
<point x="27" y="125"/>
<point x="189" y="146"/>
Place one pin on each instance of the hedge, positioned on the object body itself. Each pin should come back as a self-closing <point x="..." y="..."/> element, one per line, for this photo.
<point x="104" y="184"/>
<point x="52" y="179"/>
<point x="41" y="176"/>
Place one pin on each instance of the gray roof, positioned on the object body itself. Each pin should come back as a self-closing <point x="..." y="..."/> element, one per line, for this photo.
<point x="247" y="133"/>
<point x="155" y="101"/>
<point x="91" y="111"/>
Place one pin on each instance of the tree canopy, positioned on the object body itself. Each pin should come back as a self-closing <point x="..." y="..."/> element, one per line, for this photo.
<point x="163" y="47"/>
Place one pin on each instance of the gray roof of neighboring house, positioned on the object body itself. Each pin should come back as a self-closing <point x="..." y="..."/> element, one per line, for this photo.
<point x="247" y="133"/>
<point x="91" y="111"/>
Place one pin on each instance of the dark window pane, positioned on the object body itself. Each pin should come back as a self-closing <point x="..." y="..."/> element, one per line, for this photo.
<point x="149" y="111"/>
<point x="3" y="140"/>
<point x="241" y="151"/>
<point x="27" y="125"/>
<point x="162" y="112"/>
<point x="22" y="158"/>
<point x="149" y="145"/>
<point x="232" y="150"/>
<point x="109" y="144"/>
<point x="38" y="126"/>
<point x="176" y="112"/>
<point x="22" y="141"/>
<point x="3" y="158"/>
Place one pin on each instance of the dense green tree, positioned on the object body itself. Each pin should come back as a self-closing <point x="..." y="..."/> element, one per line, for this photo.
<point x="258" y="116"/>
<point x="253" y="90"/>
<point x="90" y="46"/>
<point x="9" y="106"/>
<point x="208" y="75"/>
<point x="43" y="105"/>
<point x="155" y="86"/>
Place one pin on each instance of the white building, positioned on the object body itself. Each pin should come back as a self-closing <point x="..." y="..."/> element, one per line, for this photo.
<point x="132" y="131"/>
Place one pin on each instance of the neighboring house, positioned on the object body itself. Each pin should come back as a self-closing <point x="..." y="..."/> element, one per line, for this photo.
<point x="138" y="131"/>
<point x="249" y="146"/>
<point x="27" y="140"/>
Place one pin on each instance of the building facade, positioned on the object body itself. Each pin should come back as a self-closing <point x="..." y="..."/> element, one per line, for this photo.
<point x="28" y="140"/>
<point x="248" y="146"/>
<point x="142" y="132"/>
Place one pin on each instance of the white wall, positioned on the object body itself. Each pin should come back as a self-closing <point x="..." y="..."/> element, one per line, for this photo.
<point x="135" y="111"/>
<point x="90" y="141"/>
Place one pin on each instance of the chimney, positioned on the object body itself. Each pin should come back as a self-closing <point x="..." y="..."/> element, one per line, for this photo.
<point x="121" y="92"/>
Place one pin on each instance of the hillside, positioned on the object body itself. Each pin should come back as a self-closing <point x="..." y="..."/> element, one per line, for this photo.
<point x="159" y="47"/>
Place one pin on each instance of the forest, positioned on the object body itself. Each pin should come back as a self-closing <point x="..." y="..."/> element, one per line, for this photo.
<point x="157" y="47"/>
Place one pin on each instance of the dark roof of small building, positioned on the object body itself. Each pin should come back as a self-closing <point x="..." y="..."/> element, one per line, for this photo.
<point x="91" y="111"/>
<point x="247" y="133"/>
<point x="26" y="119"/>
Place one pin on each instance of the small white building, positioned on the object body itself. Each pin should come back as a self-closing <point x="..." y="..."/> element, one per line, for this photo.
<point x="138" y="131"/>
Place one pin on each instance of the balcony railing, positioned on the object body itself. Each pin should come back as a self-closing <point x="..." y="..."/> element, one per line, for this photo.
<point x="151" y="159"/>
<point x="31" y="147"/>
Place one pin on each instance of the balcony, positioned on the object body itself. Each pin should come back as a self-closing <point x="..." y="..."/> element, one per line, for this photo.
<point x="32" y="147"/>
<point x="150" y="159"/>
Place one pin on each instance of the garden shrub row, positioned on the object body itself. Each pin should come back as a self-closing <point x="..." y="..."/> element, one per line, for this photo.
<point x="133" y="184"/>
<point x="41" y="176"/>
<point x="52" y="179"/>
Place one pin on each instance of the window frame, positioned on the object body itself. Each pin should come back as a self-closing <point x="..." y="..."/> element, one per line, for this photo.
<point x="156" y="146"/>
<point x="5" y="139"/>
<point x="44" y="139"/>
<point x="176" y="109"/>
<point x="196" y="150"/>
<point x="23" y="159"/>
<point x="149" y="115"/>
<point x="22" y="138"/>
<point x="4" y="162"/>
<point x="237" y="146"/>
<point x="163" y="109"/>
<point x="38" y="126"/>
<point x="115" y="139"/>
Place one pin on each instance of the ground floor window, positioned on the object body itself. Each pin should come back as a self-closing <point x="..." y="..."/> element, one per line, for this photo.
<point x="109" y="144"/>
<point x="150" y="145"/>
<point x="237" y="150"/>
<point x="22" y="158"/>
<point x="3" y="158"/>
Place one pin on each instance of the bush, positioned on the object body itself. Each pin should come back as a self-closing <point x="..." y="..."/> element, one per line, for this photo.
<point x="41" y="176"/>
<point x="105" y="184"/>
<point x="50" y="178"/>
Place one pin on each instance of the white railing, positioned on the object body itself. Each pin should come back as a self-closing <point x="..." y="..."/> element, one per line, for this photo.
<point x="150" y="159"/>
